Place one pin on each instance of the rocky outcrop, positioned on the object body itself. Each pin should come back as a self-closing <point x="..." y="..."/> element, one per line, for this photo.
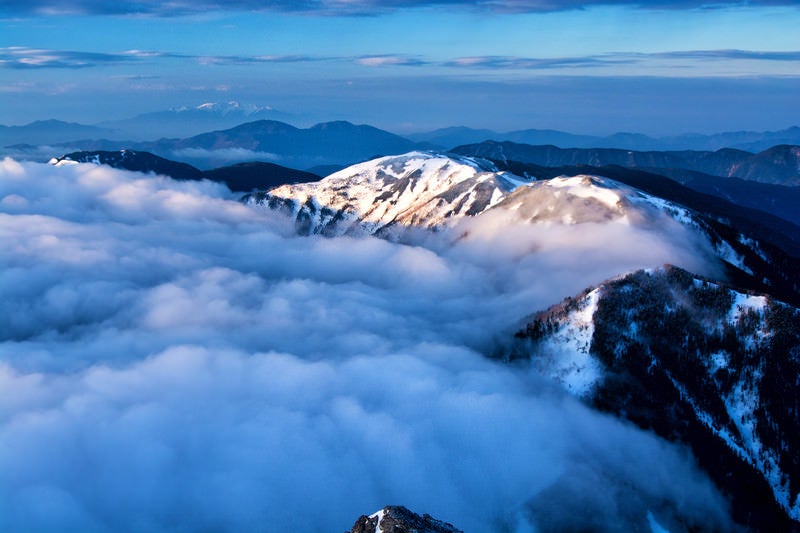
<point x="398" y="519"/>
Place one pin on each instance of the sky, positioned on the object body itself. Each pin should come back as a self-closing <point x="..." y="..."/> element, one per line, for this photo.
<point x="596" y="67"/>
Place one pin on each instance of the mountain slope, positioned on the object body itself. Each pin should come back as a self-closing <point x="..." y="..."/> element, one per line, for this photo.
<point x="751" y="263"/>
<point x="257" y="175"/>
<point x="398" y="196"/>
<point x="696" y="362"/>
<point x="777" y="200"/>
<point x="770" y="230"/>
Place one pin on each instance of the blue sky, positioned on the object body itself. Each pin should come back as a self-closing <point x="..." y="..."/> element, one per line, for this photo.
<point x="661" y="67"/>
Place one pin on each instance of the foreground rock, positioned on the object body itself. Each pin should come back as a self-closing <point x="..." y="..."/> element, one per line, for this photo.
<point x="398" y="519"/>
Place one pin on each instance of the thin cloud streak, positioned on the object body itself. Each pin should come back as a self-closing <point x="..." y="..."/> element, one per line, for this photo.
<point x="20" y="57"/>
<point x="730" y="55"/>
<point x="531" y="63"/>
<point x="390" y="60"/>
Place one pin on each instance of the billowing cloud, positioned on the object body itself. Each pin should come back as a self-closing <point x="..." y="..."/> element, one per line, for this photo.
<point x="346" y="7"/>
<point x="173" y="360"/>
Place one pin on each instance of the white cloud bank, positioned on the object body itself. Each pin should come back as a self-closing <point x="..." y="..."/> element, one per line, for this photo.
<point x="174" y="361"/>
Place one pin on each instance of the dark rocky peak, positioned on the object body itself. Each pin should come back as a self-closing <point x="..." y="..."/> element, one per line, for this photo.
<point x="136" y="161"/>
<point x="398" y="519"/>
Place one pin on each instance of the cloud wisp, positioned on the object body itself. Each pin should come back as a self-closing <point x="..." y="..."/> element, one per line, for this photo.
<point x="175" y="360"/>
<point x="20" y="57"/>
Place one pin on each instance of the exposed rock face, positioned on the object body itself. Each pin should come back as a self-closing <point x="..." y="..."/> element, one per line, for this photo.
<point x="398" y="519"/>
<point x="697" y="363"/>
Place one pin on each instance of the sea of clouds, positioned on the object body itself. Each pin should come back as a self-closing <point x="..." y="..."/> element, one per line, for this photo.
<point x="172" y="360"/>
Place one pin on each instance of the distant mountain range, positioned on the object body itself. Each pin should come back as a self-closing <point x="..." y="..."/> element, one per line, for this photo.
<point x="143" y="132"/>
<point x="187" y="121"/>
<point x="330" y="143"/>
<point x="50" y="132"/>
<point x="750" y="141"/>
<point x="323" y="144"/>
<point x="334" y="145"/>
<point x="779" y="165"/>
<point x="767" y="181"/>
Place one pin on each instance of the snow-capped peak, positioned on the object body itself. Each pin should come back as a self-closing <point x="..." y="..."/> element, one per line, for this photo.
<point x="389" y="194"/>
<point x="223" y="108"/>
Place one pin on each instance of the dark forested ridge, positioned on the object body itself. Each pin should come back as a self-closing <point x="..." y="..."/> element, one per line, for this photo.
<point x="701" y="364"/>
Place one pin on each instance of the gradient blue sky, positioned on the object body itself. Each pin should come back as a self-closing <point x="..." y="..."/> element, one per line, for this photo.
<point x="662" y="67"/>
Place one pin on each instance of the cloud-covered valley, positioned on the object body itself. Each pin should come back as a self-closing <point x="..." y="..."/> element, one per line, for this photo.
<point x="174" y="360"/>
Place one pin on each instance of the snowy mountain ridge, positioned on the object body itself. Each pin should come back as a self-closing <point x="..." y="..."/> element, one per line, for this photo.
<point x="732" y="373"/>
<point x="387" y="195"/>
<point x="393" y="195"/>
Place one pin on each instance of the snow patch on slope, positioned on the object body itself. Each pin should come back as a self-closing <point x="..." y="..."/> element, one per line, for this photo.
<point x="743" y="303"/>
<point x="564" y="356"/>
<point x="379" y="517"/>
<point x="587" y="187"/>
